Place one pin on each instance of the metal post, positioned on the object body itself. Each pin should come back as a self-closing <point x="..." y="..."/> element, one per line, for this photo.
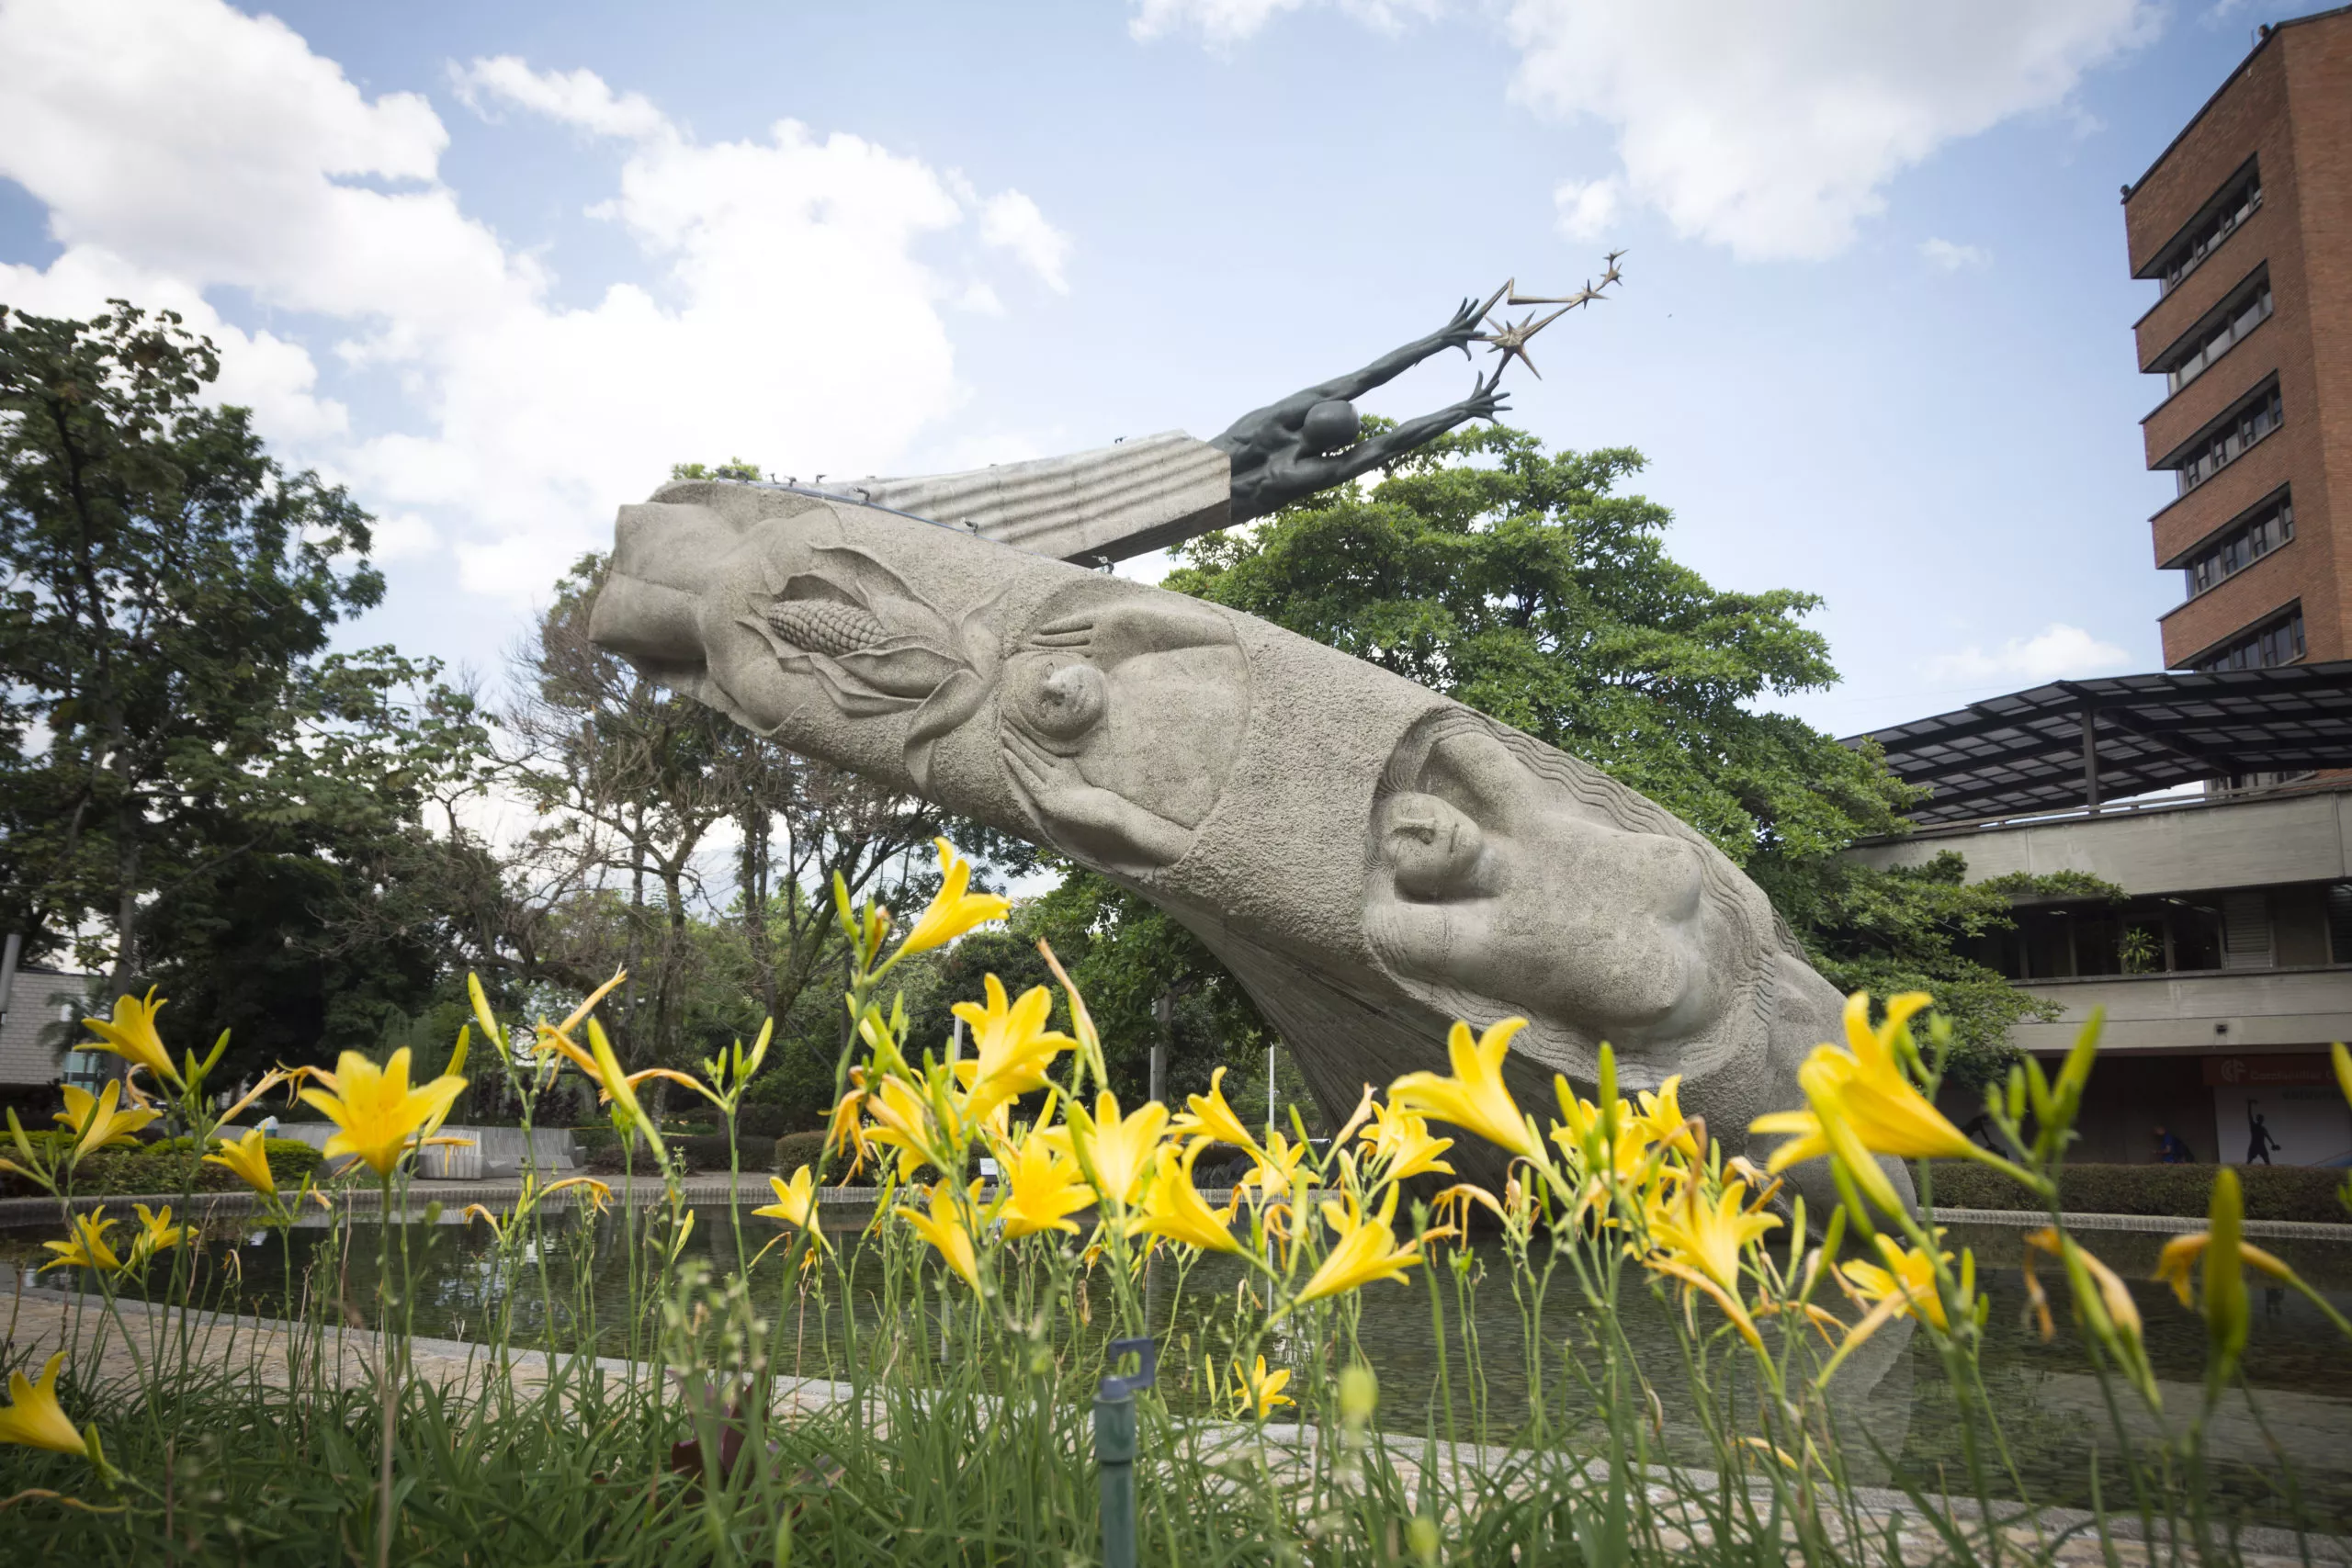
<point x="10" y="952"/>
<point x="2090" y="757"/>
<point x="1114" y="1448"/>
<point x="1166" y="1010"/>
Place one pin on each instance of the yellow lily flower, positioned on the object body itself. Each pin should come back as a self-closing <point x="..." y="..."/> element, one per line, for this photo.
<point x="617" y="1085"/>
<point x="1012" y="1047"/>
<point x="904" y="1120"/>
<point x="1474" y="1098"/>
<point x="954" y="911"/>
<point x="156" y="1232"/>
<point x="1906" y="1286"/>
<point x="2182" y="1253"/>
<point x="376" y="1109"/>
<point x="1256" y="1391"/>
<point x="1175" y="1209"/>
<point x="1209" y="1116"/>
<point x="1401" y="1141"/>
<point x="944" y="1228"/>
<point x="86" y="1247"/>
<point x="1366" y="1250"/>
<point x="1861" y="1104"/>
<point x="1710" y="1237"/>
<point x="1660" y="1120"/>
<point x="796" y="1203"/>
<point x="1277" y="1170"/>
<point x="2342" y="1060"/>
<point x="1043" y="1188"/>
<point x="2103" y="1305"/>
<point x="844" y="1132"/>
<point x="247" y="1158"/>
<point x="1866" y="1088"/>
<point x="95" y="1123"/>
<point x="131" y="1034"/>
<point x="1116" y="1152"/>
<point x="1627" y="1148"/>
<point x="35" y="1419"/>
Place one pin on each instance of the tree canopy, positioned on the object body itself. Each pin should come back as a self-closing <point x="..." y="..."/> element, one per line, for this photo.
<point x="187" y="774"/>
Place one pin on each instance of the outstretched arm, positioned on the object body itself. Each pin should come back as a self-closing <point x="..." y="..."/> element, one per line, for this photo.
<point x="1456" y="334"/>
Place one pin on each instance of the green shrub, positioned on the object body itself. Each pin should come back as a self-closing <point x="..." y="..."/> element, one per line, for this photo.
<point x="707" y="1151"/>
<point x="767" y="1121"/>
<point x="795" y="1149"/>
<point x="2272" y="1191"/>
<point x="162" y="1169"/>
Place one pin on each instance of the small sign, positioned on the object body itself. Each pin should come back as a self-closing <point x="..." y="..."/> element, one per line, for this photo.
<point x="2268" y="1072"/>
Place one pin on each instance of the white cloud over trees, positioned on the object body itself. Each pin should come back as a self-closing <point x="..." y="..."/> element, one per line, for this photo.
<point x="198" y="158"/>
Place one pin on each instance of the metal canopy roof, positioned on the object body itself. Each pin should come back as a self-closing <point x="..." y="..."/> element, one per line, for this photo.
<point x="2072" y="744"/>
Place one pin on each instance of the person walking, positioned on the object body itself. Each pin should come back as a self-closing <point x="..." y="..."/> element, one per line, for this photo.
<point x="2259" y="1141"/>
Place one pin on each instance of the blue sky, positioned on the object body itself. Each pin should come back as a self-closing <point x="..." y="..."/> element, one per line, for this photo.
<point x="497" y="266"/>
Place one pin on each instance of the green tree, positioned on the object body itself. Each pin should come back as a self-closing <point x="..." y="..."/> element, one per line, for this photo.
<point x="1525" y="584"/>
<point x="176" y="743"/>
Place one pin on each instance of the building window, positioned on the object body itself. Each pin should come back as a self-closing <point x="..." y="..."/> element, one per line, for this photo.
<point x="2339" y="923"/>
<point x="2239" y="202"/>
<point x="2279" y="642"/>
<point x="2272" y="524"/>
<point x="2253" y="418"/>
<point x="85" y="1069"/>
<point x="2189" y="358"/>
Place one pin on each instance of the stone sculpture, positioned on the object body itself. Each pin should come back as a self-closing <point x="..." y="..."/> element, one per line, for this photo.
<point x="1119" y="501"/>
<point x="1372" y="860"/>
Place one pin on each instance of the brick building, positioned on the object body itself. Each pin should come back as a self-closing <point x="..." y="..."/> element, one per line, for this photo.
<point x="2245" y="225"/>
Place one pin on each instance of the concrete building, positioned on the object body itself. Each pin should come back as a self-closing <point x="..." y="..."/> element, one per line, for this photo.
<point x="40" y="1025"/>
<point x="2245" y="225"/>
<point x="2225" y="970"/>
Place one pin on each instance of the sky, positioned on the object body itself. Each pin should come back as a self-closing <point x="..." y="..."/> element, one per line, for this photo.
<point x="496" y="266"/>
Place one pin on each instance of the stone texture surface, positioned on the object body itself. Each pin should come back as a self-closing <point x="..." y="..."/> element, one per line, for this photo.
<point x="1373" y="861"/>
<point x="1106" y="504"/>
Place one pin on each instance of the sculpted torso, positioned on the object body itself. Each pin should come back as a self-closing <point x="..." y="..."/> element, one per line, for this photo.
<point x="1372" y="860"/>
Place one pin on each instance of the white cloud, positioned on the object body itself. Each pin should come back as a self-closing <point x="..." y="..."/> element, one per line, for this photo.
<point x="403" y="536"/>
<point x="980" y="300"/>
<point x="1950" y="257"/>
<point x="786" y="309"/>
<point x="2058" y="652"/>
<point x="574" y="97"/>
<point x="1011" y="221"/>
<point x="1587" y="207"/>
<point x="1224" y="22"/>
<point x="1771" y="129"/>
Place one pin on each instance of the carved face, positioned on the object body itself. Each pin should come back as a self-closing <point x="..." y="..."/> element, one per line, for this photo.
<point x="1122" y="715"/>
<point x="1487" y="877"/>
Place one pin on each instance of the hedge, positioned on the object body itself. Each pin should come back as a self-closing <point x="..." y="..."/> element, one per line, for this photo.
<point x="700" y="1151"/>
<point x="795" y="1149"/>
<point x="2305" y="1193"/>
<point x="162" y="1168"/>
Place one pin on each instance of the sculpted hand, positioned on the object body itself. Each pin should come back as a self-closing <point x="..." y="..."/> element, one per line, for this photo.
<point x="1085" y="818"/>
<point x="1459" y="332"/>
<point x="1485" y="401"/>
